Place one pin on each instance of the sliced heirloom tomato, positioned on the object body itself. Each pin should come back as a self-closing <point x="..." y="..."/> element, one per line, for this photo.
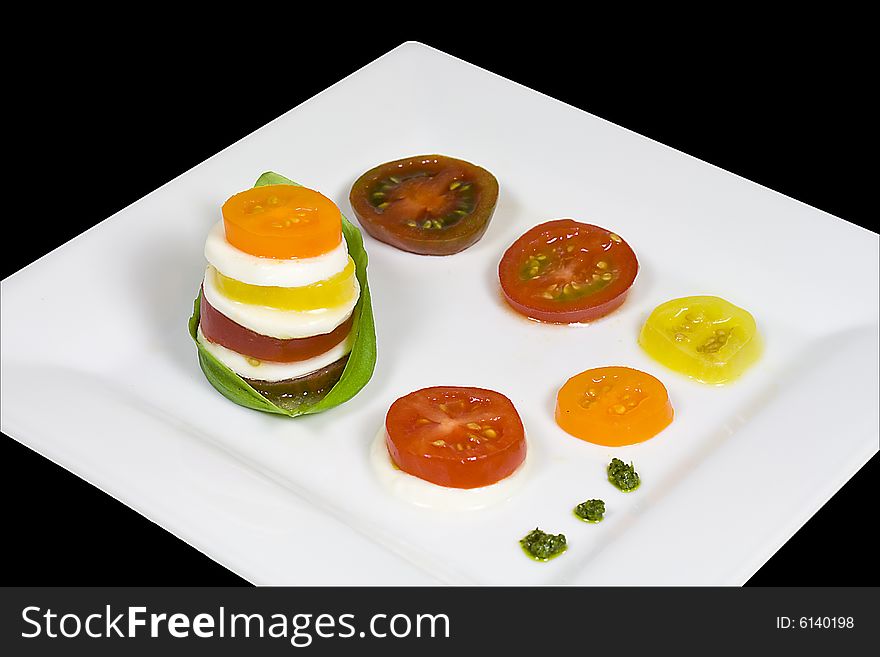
<point x="428" y="204"/>
<point x="282" y="221"/>
<point x="456" y="437"/>
<point x="613" y="406"/>
<point x="706" y="338"/>
<point x="334" y="291"/>
<point x="218" y="328"/>
<point x="564" y="271"/>
<point x="290" y="394"/>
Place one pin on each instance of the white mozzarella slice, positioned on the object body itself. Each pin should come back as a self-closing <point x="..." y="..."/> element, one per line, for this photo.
<point x="251" y="368"/>
<point x="283" y="324"/>
<point x="425" y="494"/>
<point x="247" y="268"/>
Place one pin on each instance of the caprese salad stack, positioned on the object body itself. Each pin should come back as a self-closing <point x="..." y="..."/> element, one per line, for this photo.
<point x="279" y="292"/>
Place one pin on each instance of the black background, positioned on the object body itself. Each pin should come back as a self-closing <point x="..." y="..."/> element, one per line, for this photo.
<point x="104" y="118"/>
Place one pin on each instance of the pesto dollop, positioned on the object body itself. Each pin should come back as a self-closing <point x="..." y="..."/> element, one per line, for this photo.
<point x="590" y="511"/>
<point x="623" y="476"/>
<point x="542" y="546"/>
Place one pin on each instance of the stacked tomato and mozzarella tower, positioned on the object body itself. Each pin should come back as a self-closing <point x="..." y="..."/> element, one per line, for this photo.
<point x="279" y="291"/>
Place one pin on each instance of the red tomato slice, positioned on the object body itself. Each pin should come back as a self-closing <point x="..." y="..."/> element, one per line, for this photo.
<point x="218" y="328"/>
<point x="456" y="437"/>
<point x="564" y="271"/>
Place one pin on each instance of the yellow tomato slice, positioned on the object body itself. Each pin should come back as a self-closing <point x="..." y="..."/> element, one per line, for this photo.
<point x="613" y="406"/>
<point x="282" y="221"/>
<point x="328" y="293"/>
<point x="706" y="338"/>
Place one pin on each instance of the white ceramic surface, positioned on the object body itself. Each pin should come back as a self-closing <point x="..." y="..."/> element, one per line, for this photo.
<point x="132" y="413"/>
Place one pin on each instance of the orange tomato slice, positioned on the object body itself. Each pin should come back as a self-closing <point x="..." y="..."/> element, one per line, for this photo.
<point x="613" y="406"/>
<point x="282" y="221"/>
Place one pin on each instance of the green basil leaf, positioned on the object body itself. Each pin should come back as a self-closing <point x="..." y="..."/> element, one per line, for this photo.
<point x="361" y="362"/>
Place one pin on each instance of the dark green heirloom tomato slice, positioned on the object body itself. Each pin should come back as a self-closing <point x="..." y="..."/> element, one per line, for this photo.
<point x="428" y="204"/>
<point x="290" y="394"/>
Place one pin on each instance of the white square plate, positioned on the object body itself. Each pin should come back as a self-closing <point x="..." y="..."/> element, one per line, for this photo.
<point x="737" y="473"/>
